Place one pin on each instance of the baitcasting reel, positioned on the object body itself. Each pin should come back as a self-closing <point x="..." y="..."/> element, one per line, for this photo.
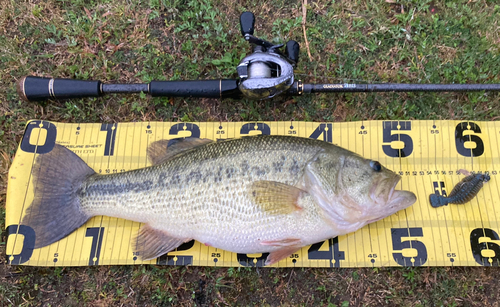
<point x="266" y="72"/>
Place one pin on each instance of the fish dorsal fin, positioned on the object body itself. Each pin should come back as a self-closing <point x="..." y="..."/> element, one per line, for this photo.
<point x="275" y="197"/>
<point x="151" y="243"/>
<point x="162" y="150"/>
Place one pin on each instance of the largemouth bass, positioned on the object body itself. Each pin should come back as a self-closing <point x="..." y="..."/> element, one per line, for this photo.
<point x="256" y="194"/>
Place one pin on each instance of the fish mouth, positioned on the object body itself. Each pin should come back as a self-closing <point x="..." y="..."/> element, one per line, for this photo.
<point x="394" y="200"/>
<point x="400" y="199"/>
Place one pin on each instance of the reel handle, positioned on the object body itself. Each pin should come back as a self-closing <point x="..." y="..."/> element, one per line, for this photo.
<point x="247" y="23"/>
<point x="292" y="50"/>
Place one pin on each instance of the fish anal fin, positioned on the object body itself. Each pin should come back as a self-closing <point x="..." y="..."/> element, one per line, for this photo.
<point x="283" y="242"/>
<point x="151" y="243"/>
<point x="162" y="150"/>
<point x="281" y="254"/>
<point x="275" y="197"/>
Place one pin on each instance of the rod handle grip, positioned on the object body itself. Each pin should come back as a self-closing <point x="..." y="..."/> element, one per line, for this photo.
<point x="224" y="88"/>
<point x="38" y="89"/>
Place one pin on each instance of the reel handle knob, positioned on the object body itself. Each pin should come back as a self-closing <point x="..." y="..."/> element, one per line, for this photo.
<point x="292" y="50"/>
<point x="247" y="23"/>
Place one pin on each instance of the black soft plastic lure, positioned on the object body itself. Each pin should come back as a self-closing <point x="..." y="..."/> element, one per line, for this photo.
<point x="463" y="192"/>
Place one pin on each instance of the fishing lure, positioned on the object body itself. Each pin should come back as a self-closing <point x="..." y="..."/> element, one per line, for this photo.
<point x="463" y="192"/>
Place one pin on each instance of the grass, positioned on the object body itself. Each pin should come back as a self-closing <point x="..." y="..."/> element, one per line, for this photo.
<point x="360" y="41"/>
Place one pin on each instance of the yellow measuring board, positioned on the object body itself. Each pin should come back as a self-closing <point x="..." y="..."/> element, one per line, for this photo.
<point x="427" y="154"/>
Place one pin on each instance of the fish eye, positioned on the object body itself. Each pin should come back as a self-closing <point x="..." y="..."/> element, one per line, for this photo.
<point x="376" y="166"/>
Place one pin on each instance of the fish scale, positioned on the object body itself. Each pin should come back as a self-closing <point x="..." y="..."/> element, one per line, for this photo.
<point x="182" y="212"/>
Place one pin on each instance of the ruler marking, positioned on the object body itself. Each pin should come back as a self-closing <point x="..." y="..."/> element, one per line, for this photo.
<point x="353" y="233"/>
<point x="491" y="190"/>
<point x="405" y="210"/>
<point x="93" y="166"/>
<point x="369" y="228"/>
<point x="447" y="231"/>
<point x="108" y="230"/>
<point x="83" y="132"/>
<point x="417" y="178"/>
<point x="25" y="196"/>
<point x="477" y="201"/>
<point x="117" y="220"/>
<point x="131" y="168"/>
<point x="378" y="159"/>
<point x="451" y="211"/>
<point x="102" y="217"/>
<point x="59" y="243"/>
<point x="460" y="210"/>
<point x="62" y="256"/>
<point x="389" y="250"/>
<point x="423" y="184"/>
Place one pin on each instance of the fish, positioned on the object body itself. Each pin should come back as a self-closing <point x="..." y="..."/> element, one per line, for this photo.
<point x="255" y="194"/>
<point x="463" y="192"/>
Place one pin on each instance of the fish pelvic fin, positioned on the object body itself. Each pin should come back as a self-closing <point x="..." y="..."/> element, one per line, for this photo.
<point x="275" y="197"/>
<point x="162" y="150"/>
<point x="151" y="243"/>
<point x="55" y="211"/>
<point x="288" y="247"/>
<point x="281" y="254"/>
<point x="438" y="200"/>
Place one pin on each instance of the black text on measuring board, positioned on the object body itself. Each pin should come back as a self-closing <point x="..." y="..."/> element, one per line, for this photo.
<point x="248" y="128"/>
<point x="401" y="240"/>
<point x="324" y="130"/>
<point x="33" y="131"/>
<point x="28" y="243"/>
<point x="468" y="132"/>
<point x="192" y="128"/>
<point x="485" y="252"/>
<point x="333" y="255"/>
<point x="96" y="233"/>
<point x="439" y="188"/>
<point x="109" y="145"/>
<point x="395" y="131"/>
<point x="179" y="259"/>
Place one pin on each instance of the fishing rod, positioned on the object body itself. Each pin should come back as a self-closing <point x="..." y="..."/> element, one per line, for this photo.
<point x="265" y="73"/>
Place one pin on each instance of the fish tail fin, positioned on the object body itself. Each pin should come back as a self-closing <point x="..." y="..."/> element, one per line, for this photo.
<point x="438" y="200"/>
<point x="55" y="211"/>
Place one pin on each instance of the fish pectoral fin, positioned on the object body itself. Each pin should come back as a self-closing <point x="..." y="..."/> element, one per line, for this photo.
<point x="162" y="150"/>
<point x="275" y="197"/>
<point x="281" y="254"/>
<point x="151" y="243"/>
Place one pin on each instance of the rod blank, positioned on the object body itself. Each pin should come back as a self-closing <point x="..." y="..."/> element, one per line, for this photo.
<point x="398" y="87"/>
